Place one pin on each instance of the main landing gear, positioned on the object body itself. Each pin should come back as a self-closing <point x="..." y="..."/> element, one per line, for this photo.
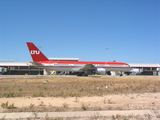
<point x="82" y="74"/>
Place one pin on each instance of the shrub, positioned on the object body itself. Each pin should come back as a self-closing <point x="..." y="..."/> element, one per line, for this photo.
<point x="84" y="106"/>
<point x="11" y="94"/>
<point x="20" y="89"/>
<point x="65" y="105"/>
<point x="31" y="106"/>
<point x="7" y="106"/>
<point x="41" y="94"/>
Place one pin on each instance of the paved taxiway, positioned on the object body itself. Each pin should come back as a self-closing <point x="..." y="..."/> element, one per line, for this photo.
<point x="49" y="76"/>
<point x="34" y="76"/>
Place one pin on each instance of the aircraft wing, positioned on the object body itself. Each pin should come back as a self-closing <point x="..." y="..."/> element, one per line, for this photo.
<point x="88" y="66"/>
<point x="36" y="64"/>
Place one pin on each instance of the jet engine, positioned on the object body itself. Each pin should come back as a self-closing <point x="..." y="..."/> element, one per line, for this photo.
<point x="100" y="71"/>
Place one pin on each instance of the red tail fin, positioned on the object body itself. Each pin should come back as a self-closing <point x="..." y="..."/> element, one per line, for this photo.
<point x="36" y="54"/>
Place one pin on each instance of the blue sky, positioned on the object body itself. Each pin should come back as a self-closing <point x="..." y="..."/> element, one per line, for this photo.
<point x="81" y="29"/>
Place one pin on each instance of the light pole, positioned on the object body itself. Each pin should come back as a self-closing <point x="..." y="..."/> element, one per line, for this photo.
<point x="106" y="53"/>
<point x="40" y="68"/>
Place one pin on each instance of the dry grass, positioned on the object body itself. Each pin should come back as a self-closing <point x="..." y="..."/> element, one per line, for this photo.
<point x="80" y="87"/>
<point x="77" y="87"/>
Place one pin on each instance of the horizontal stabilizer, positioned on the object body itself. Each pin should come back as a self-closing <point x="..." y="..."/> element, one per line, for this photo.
<point x="36" y="64"/>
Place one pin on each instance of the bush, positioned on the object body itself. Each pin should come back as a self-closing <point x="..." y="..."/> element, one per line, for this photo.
<point x="11" y="94"/>
<point x="7" y="106"/>
<point x="41" y="94"/>
<point x="20" y="89"/>
<point x="84" y="106"/>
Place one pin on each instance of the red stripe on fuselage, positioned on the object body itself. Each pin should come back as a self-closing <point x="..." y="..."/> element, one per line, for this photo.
<point x="77" y="67"/>
<point x="82" y="62"/>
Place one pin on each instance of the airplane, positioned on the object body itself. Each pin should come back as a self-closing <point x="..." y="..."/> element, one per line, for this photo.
<point x="83" y="68"/>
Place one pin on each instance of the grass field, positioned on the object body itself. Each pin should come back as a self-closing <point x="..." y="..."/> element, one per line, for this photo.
<point x="77" y="86"/>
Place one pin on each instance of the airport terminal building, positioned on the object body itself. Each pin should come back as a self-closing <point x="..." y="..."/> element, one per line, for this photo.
<point x="22" y="68"/>
<point x="144" y="69"/>
<point x="18" y="68"/>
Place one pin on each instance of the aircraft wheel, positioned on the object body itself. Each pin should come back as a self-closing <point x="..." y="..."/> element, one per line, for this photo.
<point x="86" y="75"/>
<point x="79" y="74"/>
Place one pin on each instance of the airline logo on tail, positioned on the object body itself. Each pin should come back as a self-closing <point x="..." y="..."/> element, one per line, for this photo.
<point x="35" y="52"/>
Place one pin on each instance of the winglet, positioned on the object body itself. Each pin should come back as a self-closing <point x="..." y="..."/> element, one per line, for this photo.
<point x="36" y="54"/>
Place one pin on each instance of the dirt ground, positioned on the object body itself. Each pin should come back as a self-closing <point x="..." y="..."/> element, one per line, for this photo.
<point x="147" y="101"/>
<point x="140" y="100"/>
